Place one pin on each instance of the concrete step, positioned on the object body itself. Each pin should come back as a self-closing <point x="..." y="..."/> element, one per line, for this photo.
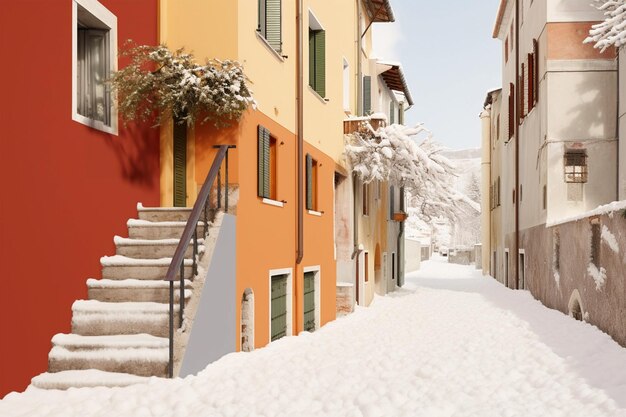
<point x="126" y="290"/>
<point x="147" y="230"/>
<point x="163" y="214"/>
<point x="97" y="318"/>
<point x="85" y="378"/>
<point x="152" y="249"/>
<point x="122" y="267"/>
<point x="142" y="354"/>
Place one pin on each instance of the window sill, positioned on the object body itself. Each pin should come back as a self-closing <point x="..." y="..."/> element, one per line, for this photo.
<point x="95" y="124"/>
<point x="315" y="213"/>
<point x="264" y="41"/>
<point x="274" y="203"/>
<point x="316" y="94"/>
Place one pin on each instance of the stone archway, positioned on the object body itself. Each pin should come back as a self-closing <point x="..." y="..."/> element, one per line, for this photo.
<point x="575" y="306"/>
<point x="247" y="321"/>
<point x="378" y="273"/>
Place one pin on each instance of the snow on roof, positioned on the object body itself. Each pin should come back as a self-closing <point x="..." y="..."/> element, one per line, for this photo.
<point x="499" y="18"/>
<point x="605" y="209"/>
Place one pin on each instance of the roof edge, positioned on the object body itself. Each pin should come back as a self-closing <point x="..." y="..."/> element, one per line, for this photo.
<point x="499" y="17"/>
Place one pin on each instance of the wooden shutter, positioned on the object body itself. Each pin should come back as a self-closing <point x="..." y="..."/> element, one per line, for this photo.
<point x="536" y="70"/>
<point x="531" y="82"/>
<point x="367" y="95"/>
<point x="320" y="62"/>
<point x="180" y="163"/>
<point x="309" y="301"/>
<point x="309" y="182"/>
<point x="273" y="29"/>
<point x="279" y="307"/>
<point x="511" y="127"/>
<point x="392" y="113"/>
<point x="263" y="162"/>
<point x="312" y="59"/>
<point x="261" y="14"/>
<point x="520" y="96"/>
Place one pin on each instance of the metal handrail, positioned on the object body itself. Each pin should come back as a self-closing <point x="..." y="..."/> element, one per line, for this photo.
<point x="190" y="232"/>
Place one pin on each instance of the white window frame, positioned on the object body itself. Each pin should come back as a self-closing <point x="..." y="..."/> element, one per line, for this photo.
<point x="318" y="299"/>
<point x="273" y="273"/>
<point x="110" y="20"/>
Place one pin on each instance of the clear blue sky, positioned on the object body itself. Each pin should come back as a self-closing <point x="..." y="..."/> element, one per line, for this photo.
<point x="450" y="62"/>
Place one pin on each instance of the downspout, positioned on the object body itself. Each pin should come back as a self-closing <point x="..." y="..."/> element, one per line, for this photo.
<point x="400" y="246"/>
<point x="617" y="128"/>
<point x="359" y="105"/>
<point x="300" y="133"/>
<point x="359" y="63"/>
<point x="517" y="128"/>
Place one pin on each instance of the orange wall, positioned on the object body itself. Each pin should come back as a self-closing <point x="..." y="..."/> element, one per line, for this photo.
<point x="266" y="235"/>
<point x="565" y="41"/>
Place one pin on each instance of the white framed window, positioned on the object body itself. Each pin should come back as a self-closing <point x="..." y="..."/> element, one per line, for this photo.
<point x="315" y="272"/>
<point x="281" y="303"/>
<point x="94" y="58"/>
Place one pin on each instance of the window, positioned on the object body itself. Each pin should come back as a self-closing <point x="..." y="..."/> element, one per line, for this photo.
<point x="346" y="85"/>
<point x="317" y="56"/>
<point x="535" y="73"/>
<point x="511" y="110"/>
<point x="270" y="26"/>
<point x="392" y="112"/>
<point x="498" y="193"/>
<point x="506" y="50"/>
<point x="366" y="264"/>
<point x="267" y="164"/>
<point x="311" y="183"/>
<point x="557" y="251"/>
<point x="377" y="190"/>
<point x="576" y="166"/>
<point x="94" y="45"/>
<point x="595" y="242"/>
<point x="367" y="95"/>
<point x="401" y="113"/>
<point x="498" y="128"/>
<point x="520" y="96"/>
<point x="392" y="201"/>
<point x="545" y="197"/>
<point x="521" y="284"/>
<point x="531" y="82"/>
<point x="393" y="265"/>
<point x="366" y="200"/>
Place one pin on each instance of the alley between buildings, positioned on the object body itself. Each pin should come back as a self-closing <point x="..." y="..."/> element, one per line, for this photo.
<point x="451" y="343"/>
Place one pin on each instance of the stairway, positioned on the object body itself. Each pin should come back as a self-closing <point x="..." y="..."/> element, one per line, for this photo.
<point x="120" y="334"/>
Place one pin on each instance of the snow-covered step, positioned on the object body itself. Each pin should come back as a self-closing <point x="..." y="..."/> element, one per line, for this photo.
<point x="115" y="290"/>
<point x="143" y="229"/>
<point x="122" y="267"/>
<point x="74" y="342"/>
<point x="163" y="214"/>
<point x="95" y="318"/>
<point x="106" y="354"/>
<point x="87" y="378"/>
<point x="152" y="248"/>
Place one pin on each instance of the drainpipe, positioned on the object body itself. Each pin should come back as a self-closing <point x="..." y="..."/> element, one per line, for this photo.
<point x="617" y="123"/>
<point x="400" y="246"/>
<point x="300" y="133"/>
<point x="359" y="104"/>
<point x="517" y="128"/>
<point x="359" y="63"/>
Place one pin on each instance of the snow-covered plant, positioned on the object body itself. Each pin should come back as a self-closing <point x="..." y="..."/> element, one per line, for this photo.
<point x="611" y="31"/>
<point x="393" y="154"/>
<point x="159" y="83"/>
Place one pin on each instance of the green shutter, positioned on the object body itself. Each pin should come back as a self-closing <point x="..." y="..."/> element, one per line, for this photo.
<point x="312" y="59"/>
<point x="392" y="113"/>
<point x="367" y="95"/>
<point x="261" y="15"/>
<point x="263" y="162"/>
<point x="273" y="30"/>
<point x="180" y="163"/>
<point x="320" y="62"/>
<point x="279" y="307"/>
<point x="309" y="182"/>
<point x="309" y="301"/>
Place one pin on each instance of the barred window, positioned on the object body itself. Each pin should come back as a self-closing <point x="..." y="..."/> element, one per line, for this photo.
<point x="576" y="166"/>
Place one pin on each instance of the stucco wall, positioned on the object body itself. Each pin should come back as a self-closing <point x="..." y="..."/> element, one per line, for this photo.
<point x="67" y="188"/>
<point x="622" y="123"/>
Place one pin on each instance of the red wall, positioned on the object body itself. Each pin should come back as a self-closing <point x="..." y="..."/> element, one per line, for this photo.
<point x="66" y="189"/>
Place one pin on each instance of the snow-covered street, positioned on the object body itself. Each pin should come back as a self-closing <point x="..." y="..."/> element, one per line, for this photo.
<point x="451" y="343"/>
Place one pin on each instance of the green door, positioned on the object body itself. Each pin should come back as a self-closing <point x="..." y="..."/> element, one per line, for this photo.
<point x="309" y="301"/>
<point x="180" y="164"/>
<point x="279" y="307"/>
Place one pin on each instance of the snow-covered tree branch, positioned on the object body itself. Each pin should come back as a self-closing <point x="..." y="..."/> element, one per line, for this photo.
<point x="612" y="31"/>
<point x="158" y="83"/>
<point x="392" y="154"/>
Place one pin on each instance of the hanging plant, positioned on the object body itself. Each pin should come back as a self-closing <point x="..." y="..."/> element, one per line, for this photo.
<point x="158" y="83"/>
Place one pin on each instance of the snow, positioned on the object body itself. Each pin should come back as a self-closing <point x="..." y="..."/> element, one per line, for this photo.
<point x="598" y="211"/>
<point x="133" y="283"/>
<point x="124" y="241"/>
<point x="598" y="275"/>
<point x="609" y="239"/>
<point x="148" y="223"/>
<point x="119" y="260"/>
<point x="96" y="307"/>
<point x="116" y="341"/>
<point x="91" y="377"/>
<point x="141" y="207"/>
<point x="452" y="343"/>
<point x="611" y="31"/>
<point x="112" y="354"/>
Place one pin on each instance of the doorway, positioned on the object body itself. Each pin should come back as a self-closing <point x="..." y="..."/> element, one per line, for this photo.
<point x="522" y="270"/>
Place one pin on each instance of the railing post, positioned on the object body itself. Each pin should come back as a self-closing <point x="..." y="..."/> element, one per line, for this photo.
<point x="182" y="292"/>
<point x="226" y="185"/>
<point x="195" y="252"/>
<point x="170" y="366"/>
<point x="219" y="189"/>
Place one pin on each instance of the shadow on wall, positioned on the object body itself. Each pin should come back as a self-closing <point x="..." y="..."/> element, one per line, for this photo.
<point x="138" y="157"/>
<point x="593" y="117"/>
<point x="570" y="340"/>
